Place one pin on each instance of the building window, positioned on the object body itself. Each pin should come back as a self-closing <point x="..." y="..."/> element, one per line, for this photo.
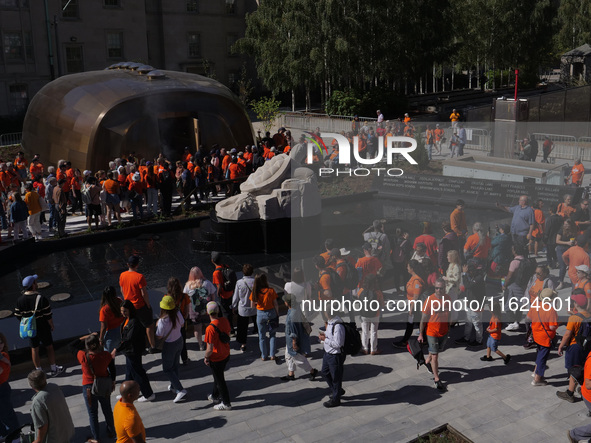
<point x="70" y="9"/>
<point x="115" y="44"/>
<point x="233" y="78"/>
<point x="230" y="40"/>
<point x="193" y="6"/>
<point x="74" y="59"/>
<point x="230" y="6"/>
<point x="112" y="3"/>
<point x="13" y="46"/>
<point x="9" y="4"/>
<point x="194" y="44"/>
<point x="18" y="97"/>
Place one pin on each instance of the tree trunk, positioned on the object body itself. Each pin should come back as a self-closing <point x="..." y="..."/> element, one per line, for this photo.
<point x="453" y="71"/>
<point x="292" y="100"/>
<point x="434" y="79"/>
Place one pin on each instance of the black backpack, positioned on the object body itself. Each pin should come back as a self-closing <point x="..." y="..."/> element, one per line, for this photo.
<point x="583" y="337"/>
<point x="525" y="271"/>
<point x="352" y="278"/>
<point x="229" y="279"/>
<point x="224" y="338"/>
<point x="352" y="344"/>
<point x="337" y="286"/>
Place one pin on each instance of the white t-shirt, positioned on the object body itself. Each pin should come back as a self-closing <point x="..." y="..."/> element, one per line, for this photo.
<point x="164" y="325"/>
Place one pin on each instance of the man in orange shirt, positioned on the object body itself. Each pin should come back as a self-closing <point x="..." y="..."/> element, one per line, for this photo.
<point x="439" y="134"/>
<point x="36" y="167"/>
<point x="368" y="264"/>
<point x="457" y="220"/>
<point x="217" y="356"/>
<point x="32" y="200"/>
<point x="128" y="423"/>
<point x="224" y="295"/>
<point x="575" y="256"/>
<point x="544" y="323"/>
<point x="454" y="118"/>
<point x="538" y="232"/>
<point x="583" y="433"/>
<point x="434" y="326"/>
<point x="133" y="287"/>
<point x="574" y="352"/>
<point x="577" y="173"/>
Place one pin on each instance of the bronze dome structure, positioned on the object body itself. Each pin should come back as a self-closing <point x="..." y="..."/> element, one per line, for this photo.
<point x="93" y="117"/>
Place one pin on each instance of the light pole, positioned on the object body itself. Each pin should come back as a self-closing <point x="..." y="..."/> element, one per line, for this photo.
<point x="49" y="49"/>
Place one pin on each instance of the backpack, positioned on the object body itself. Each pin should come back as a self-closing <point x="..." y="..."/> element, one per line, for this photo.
<point x="28" y="325"/>
<point x="527" y="268"/>
<point x="583" y="337"/>
<point x="229" y="279"/>
<point x="86" y="198"/>
<point x="369" y="295"/>
<point x="224" y="338"/>
<point x="352" y="278"/>
<point x="416" y="350"/>
<point x="337" y="286"/>
<point x="376" y="243"/>
<point x="199" y="299"/>
<point x="352" y="344"/>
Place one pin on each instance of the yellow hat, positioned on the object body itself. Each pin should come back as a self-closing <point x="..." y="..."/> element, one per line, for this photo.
<point x="167" y="303"/>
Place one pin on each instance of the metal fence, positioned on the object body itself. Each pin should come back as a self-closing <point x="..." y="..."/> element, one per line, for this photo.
<point x="14" y="138"/>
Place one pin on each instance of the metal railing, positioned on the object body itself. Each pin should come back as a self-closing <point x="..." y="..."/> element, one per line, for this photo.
<point x="14" y="138"/>
<point x="565" y="146"/>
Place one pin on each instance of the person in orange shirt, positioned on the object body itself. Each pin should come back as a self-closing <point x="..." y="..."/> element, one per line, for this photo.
<point x="76" y="186"/>
<point x="36" y="167"/>
<point x="430" y="141"/>
<point x="494" y="330"/>
<point x="20" y="164"/>
<point x="406" y="118"/>
<point x="538" y="233"/>
<point x="415" y="286"/>
<point x="187" y="155"/>
<point x="584" y="283"/>
<point x="128" y="423"/>
<point x="544" y="323"/>
<point x="32" y="200"/>
<point x="478" y="244"/>
<point x="439" y="134"/>
<point x="368" y="264"/>
<point x="217" y="356"/>
<point x="583" y="433"/>
<point x="457" y="220"/>
<point x="575" y="256"/>
<point x="111" y="187"/>
<point x="574" y="352"/>
<point x="454" y="118"/>
<point x="576" y="174"/>
<point x="264" y="299"/>
<point x="565" y="209"/>
<point x="434" y="327"/>
<point x="430" y="243"/>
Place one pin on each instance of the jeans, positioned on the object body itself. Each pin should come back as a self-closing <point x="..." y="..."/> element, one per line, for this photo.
<point x="541" y="359"/>
<point x="152" y="200"/>
<point x="112" y="339"/>
<point x="220" y="389"/>
<point x="52" y="223"/>
<point x="561" y="249"/>
<point x="332" y="370"/>
<point x="137" y="206"/>
<point x="582" y="433"/>
<point x="263" y="318"/>
<point x="242" y="328"/>
<point x="369" y="333"/>
<point x="92" y="402"/>
<point x="135" y="371"/>
<point x="473" y="318"/>
<point x="430" y="151"/>
<point x="8" y="419"/>
<point x="171" y="354"/>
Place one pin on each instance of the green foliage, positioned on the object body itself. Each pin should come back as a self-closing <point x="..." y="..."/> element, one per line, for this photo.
<point x="343" y="103"/>
<point x="244" y="86"/>
<point x="267" y="110"/>
<point x="574" y="24"/>
<point x="420" y="154"/>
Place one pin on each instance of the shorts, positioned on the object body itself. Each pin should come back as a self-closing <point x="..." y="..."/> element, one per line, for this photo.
<point x="112" y="199"/>
<point x="145" y="316"/>
<point x="43" y="336"/>
<point x="573" y="356"/>
<point x="436" y="344"/>
<point x="492" y="343"/>
<point x="93" y="210"/>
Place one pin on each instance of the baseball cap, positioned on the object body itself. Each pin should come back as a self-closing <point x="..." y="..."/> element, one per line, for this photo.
<point x="583" y="268"/>
<point x="212" y="307"/>
<point x="580" y="299"/>
<point x="29" y="280"/>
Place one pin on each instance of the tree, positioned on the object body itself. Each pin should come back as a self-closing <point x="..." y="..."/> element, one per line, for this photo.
<point x="267" y="110"/>
<point x="573" y="24"/>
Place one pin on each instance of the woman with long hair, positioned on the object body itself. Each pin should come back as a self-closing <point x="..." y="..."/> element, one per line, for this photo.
<point x="264" y="299"/>
<point x="96" y="363"/>
<point x="133" y="343"/>
<point x="182" y="301"/>
<point x="168" y="329"/>
<point x="452" y="278"/>
<point x="415" y="286"/>
<point x="478" y="244"/>
<point x="111" y="319"/>
<point x="8" y="418"/>
<point x="197" y="287"/>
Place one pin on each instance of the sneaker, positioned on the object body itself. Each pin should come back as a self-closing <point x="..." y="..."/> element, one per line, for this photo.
<point x="376" y="352"/>
<point x="507" y="359"/>
<point x="242" y="348"/>
<point x="513" y="327"/>
<point x="288" y="377"/>
<point x="143" y="399"/>
<point x="485" y="358"/>
<point x="223" y="407"/>
<point x="401" y="344"/>
<point x="429" y="367"/>
<point x="529" y="345"/>
<point x="331" y="403"/>
<point x="461" y="341"/>
<point x="440" y="386"/>
<point x="559" y="287"/>
<point x="566" y="396"/>
<point x="539" y="383"/>
<point x="215" y="401"/>
<point x="313" y="374"/>
<point x="180" y="396"/>
<point x="57" y="371"/>
<point x="171" y="389"/>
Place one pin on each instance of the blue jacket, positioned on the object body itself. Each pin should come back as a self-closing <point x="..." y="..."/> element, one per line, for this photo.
<point x="18" y="212"/>
<point x="294" y="328"/>
<point x="500" y="251"/>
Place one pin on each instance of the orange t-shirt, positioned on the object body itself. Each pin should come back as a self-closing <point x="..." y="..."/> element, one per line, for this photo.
<point x="438" y="319"/>
<point x="128" y="423"/>
<point x="414" y="287"/>
<point x="234" y="171"/>
<point x="585" y="285"/>
<point x="107" y="316"/>
<point x="100" y="363"/>
<point x="577" y="173"/>
<point x="539" y="225"/>
<point x="218" y="280"/>
<point x="573" y="325"/>
<point x="369" y="266"/>
<point x="32" y="201"/>
<point x="541" y="324"/>
<point x="220" y="350"/>
<point x="324" y="285"/>
<point x="111" y="186"/>
<point x="35" y="169"/>
<point x="265" y="299"/>
<point x="535" y="290"/>
<point x="132" y="283"/>
<point x="587" y="374"/>
<point x="495" y="324"/>
<point x="478" y="251"/>
<point x="573" y="257"/>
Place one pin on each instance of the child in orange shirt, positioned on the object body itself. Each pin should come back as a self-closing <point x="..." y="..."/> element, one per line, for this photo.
<point x="494" y="330"/>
